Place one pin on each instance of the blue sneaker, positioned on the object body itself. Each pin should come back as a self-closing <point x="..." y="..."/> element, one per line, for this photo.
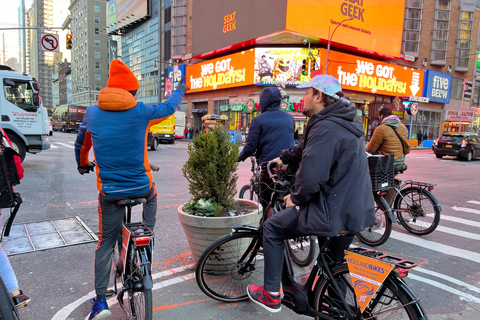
<point x="99" y="310"/>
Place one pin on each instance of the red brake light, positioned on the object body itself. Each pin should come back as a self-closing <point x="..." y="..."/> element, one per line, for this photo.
<point x="142" y="241"/>
<point x="402" y="273"/>
<point x="430" y="188"/>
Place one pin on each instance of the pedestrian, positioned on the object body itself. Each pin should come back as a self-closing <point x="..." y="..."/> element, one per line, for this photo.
<point x="269" y="134"/>
<point x="122" y="173"/>
<point x="190" y="132"/>
<point x="419" y="137"/>
<point x="6" y="271"/>
<point x="332" y="193"/>
<point x="185" y="133"/>
<point x="197" y="132"/>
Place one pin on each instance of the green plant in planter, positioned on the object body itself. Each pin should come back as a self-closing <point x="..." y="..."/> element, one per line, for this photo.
<point x="211" y="173"/>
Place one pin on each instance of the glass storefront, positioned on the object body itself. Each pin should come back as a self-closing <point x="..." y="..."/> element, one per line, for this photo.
<point x="427" y="122"/>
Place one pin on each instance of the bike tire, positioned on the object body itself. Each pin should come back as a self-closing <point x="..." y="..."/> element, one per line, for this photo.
<point x="422" y="216"/>
<point x="139" y="297"/>
<point x="393" y="299"/>
<point x="247" y="192"/>
<point x="379" y="233"/>
<point x="219" y="271"/>
<point x="301" y="250"/>
<point x="7" y="308"/>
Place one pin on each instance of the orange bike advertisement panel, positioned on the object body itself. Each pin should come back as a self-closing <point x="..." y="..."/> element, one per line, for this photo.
<point x="229" y="71"/>
<point x="367" y="275"/>
<point x="361" y="74"/>
<point x="377" y="25"/>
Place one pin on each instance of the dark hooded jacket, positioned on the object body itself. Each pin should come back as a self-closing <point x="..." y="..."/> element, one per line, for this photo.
<point x="332" y="188"/>
<point x="271" y="131"/>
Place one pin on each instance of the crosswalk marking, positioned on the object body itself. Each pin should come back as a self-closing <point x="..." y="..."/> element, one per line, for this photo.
<point x="474" y="202"/>
<point x="448" y="278"/>
<point x="434" y="246"/>
<point x="459" y="233"/>
<point x="66" y="145"/>
<point x="458" y="220"/>
<point x="466" y="209"/>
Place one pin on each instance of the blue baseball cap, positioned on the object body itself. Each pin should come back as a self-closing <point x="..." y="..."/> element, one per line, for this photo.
<point x="325" y="83"/>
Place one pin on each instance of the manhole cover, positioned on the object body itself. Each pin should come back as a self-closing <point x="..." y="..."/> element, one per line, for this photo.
<point x="48" y="234"/>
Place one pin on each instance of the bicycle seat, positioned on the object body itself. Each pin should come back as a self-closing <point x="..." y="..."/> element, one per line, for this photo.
<point x="131" y="202"/>
<point x="399" y="168"/>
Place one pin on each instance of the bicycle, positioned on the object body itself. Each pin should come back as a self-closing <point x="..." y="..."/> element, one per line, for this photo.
<point x="235" y="260"/>
<point x="301" y="247"/>
<point x="415" y="207"/>
<point x="131" y="263"/>
<point x="8" y="311"/>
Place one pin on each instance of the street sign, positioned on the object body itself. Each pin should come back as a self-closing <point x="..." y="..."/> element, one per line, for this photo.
<point x="49" y="42"/>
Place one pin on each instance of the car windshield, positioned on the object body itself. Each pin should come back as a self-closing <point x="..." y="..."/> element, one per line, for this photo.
<point x="451" y="138"/>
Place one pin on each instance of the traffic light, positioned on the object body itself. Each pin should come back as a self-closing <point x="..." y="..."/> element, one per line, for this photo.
<point x="304" y="67"/>
<point x="69" y="41"/>
<point x="311" y="65"/>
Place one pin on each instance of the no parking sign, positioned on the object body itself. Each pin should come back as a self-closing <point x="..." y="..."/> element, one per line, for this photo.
<point x="49" y="42"/>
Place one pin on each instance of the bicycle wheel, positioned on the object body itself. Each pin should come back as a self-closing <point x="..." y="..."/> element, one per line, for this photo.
<point x="417" y="211"/>
<point x="380" y="232"/>
<point x="393" y="300"/>
<point x="247" y="192"/>
<point x="302" y="250"/>
<point x="223" y="271"/>
<point x="7" y="308"/>
<point x="139" y="297"/>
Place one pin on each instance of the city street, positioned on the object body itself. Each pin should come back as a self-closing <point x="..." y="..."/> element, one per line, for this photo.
<point x="60" y="280"/>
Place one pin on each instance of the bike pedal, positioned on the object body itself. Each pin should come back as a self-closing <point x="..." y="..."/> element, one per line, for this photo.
<point x="110" y="293"/>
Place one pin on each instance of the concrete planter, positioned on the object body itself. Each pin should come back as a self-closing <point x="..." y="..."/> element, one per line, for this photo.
<point x="202" y="231"/>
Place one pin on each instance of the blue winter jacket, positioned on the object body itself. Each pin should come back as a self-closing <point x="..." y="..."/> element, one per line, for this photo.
<point x="117" y="129"/>
<point x="271" y="131"/>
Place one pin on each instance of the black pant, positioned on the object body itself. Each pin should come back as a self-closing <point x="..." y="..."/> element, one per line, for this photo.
<point x="266" y="185"/>
<point x="280" y="227"/>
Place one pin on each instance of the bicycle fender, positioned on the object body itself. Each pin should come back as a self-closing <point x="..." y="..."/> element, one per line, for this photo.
<point x="436" y="204"/>
<point x="236" y="229"/>
<point x="147" y="282"/>
<point x="391" y="215"/>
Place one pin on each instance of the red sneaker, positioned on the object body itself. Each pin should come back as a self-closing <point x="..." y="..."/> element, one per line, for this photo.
<point x="262" y="297"/>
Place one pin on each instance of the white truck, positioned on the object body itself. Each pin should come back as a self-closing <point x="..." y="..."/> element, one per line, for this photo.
<point x="179" y="124"/>
<point x="23" y="117"/>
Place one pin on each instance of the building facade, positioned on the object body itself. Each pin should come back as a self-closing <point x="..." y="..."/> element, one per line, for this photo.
<point x="90" y="57"/>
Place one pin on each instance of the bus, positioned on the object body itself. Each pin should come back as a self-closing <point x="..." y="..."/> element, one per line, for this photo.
<point x="68" y="118"/>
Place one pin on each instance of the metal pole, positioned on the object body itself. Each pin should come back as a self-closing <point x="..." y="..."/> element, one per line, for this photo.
<point x="330" y="40"/>
<point x="90" y="95"/>
<point x="159" y="51"/>
<point x="461" y="106"/>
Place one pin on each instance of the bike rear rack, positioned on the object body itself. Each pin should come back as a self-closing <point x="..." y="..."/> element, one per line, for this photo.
<point x="398" y="262"/>
<point x="424" y="185"/>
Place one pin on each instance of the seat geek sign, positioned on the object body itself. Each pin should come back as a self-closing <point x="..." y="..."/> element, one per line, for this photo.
<point x="437" y="86"/>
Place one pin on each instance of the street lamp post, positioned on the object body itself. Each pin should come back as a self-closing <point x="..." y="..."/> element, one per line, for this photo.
<point x="330" y="40"/>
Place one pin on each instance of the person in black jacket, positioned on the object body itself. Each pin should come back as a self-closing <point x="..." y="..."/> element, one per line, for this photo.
<point x="332" y="192"/>
<point x="269" y="134"/>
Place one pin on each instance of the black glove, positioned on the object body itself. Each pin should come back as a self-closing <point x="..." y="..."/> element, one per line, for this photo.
<point x="86" y="169"/>
<point x="182" y="86"/>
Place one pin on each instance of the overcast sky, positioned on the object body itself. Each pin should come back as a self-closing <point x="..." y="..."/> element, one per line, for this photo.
<point x="9" y="12"/>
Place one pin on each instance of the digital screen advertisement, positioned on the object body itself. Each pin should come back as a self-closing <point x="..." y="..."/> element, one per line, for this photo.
<point x="123" y="12"/>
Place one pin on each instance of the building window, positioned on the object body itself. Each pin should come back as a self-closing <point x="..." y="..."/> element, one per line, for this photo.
<point x="96" y="20"/>
<point x="97" y="54"/>
<point x="97" y="31"/>
<point x="96" y="8"/>
<point x="440" y="33"/>
<point x="457" y="88"/>
<point x="97" y="43"/>
<point x="412" y="27"/>
<point x="97" y="65"/>
<point x="464" y="41"/>
<point x="97" y="87"/>
<point x="218" y="104"/>
<point x="98" y="77"/>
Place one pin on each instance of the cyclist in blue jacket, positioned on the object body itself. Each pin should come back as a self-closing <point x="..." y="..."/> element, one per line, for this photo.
<point x="117" y="127"/>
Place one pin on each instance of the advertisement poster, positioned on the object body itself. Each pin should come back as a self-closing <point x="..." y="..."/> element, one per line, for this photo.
<point x="229" y="71"/>
<point x="362" y="74"/>
<point x="123" y="12"/>
<point x="173" y="78"/>
<point x="367" y="275"/>
<point x="283" y="64"/>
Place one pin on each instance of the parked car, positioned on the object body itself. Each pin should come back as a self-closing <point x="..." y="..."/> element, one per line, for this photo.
<point x="152" y="140"/>
<point x="464" y="145"/>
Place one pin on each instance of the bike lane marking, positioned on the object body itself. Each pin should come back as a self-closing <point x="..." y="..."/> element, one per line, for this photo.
<point x="65" y="312"/>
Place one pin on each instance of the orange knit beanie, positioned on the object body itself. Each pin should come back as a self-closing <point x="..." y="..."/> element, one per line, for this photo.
<point x="122" y="77"/>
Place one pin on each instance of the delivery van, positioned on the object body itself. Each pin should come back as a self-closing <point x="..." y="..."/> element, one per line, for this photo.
<point x="165" y="130"/>
<point x="68" y="118"/>
<point x="24" y="119"/>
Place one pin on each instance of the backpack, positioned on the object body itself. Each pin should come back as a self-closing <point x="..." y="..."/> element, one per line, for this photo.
<point x="9" y="176"/>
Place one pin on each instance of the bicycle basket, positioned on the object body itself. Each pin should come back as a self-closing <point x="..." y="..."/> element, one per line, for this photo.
<point x="381" y="172"/>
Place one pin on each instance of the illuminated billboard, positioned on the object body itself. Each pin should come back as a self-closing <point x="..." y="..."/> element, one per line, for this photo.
<point x="361" y="74"/>
<point x="285" y="64"/>
<point x="123" y="12"/>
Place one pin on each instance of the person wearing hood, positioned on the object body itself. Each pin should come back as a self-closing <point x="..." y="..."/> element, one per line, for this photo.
<point x="332" y="193"/>
<point x="269" y="134"/>
<point x="117" y="128"/>
<point x="390" y="137"/>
